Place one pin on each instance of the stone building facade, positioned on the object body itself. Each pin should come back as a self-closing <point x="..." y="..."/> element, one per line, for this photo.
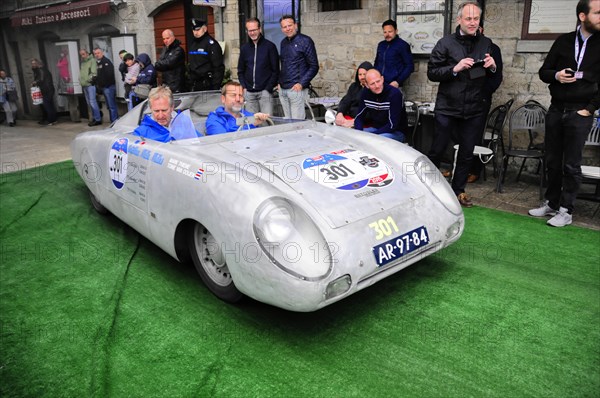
<point x="343" y="39"/>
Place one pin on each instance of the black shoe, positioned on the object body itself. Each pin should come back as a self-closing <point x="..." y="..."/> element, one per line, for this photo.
<point x="11" y="124"/>
<point x="43" y="122"/>
<point x="94" y="123"/>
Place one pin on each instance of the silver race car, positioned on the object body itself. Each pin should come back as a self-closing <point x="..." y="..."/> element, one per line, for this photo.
<point x="298" y="215"/>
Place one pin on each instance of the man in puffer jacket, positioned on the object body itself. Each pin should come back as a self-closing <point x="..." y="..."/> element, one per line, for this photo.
<point x="172" y="62"/>
<point x="146" y="76"/>
<point x="461" y="63"/>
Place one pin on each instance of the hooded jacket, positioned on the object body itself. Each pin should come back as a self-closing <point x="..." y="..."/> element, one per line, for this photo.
<point x="462" y="94"/>
<point x="220" y="122"/>
<point x="349" y="105"/>
<point x="148" y="73"/>
<point x="172" y="65"/>
<point x="258" y="65"/>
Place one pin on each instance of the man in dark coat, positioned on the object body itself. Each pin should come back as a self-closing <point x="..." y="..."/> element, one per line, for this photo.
<point x="106" y="83"/>
<point x="172" y="62"/>
<point x="461" y="63"/>
<point x="206" y="59"/>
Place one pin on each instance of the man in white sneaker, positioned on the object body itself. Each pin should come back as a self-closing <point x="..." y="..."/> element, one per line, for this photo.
<point x="571" y="68"/>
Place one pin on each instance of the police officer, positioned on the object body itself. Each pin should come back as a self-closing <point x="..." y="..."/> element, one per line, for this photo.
<point x="205" y="59"/>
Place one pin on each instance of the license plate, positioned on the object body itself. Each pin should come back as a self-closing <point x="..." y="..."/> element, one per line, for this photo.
<point x="395" y="248"/>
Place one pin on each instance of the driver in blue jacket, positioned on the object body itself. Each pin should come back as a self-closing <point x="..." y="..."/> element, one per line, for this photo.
<point x="165" y="124"/>
<point x="224" y="118"/>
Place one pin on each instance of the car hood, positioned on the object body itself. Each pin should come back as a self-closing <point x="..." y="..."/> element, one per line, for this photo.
<point x="343" y="176"/>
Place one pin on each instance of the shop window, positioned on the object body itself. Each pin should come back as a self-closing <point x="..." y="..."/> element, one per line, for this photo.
<point x="338" y="5"/>
<point x="66" y="59"/>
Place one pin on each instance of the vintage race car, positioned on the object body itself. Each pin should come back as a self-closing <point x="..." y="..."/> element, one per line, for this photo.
<point x="298" y="215"/>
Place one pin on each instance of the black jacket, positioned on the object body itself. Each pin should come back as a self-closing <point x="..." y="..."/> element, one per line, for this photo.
<point x="206" y="61"/>
<point x="258" y="65"/>
<point x="106" y="73"/>
<point x="349" y="105"/>
<point x="43" y="79"/>
<point x="461" y="95"/>
<point x="562" y="55"/>
<point x="172" y="65"/>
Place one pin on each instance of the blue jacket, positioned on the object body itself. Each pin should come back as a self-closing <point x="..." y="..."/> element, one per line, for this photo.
<point x="220" y="122"/>
<point x="151" y="130"/>
<point x="384" y="111"/>
<point x="258" y="66"/>
<point x="394" y="60"/>
<point x="181" y="128"/>
<point x="299" y="62"/>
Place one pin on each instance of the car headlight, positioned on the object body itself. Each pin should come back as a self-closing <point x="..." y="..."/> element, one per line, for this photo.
<point x="436" y="183"/>
<point x="291" y="240"/>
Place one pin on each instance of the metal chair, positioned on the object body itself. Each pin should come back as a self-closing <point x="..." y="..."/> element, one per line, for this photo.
<point x="591" y="174"/>
<point x="529" y="120"/>
<point x="412" y="117"/>
<point x="492" y="133"/>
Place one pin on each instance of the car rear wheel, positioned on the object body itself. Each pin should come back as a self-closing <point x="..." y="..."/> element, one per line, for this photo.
<point x="211" y="265"/>
<point x="97" y="205"/>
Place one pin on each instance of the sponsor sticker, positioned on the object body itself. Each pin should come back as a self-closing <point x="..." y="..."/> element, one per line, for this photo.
<point x="117" y="162"/>
<point x="348" y="170"/>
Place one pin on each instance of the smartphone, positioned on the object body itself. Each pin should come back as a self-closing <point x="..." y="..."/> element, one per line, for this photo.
<point x="478" y="63"/>
<point x="570" y="72"/>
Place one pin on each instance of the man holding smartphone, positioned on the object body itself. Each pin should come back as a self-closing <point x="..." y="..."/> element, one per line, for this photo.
<point x="572" y="68"/>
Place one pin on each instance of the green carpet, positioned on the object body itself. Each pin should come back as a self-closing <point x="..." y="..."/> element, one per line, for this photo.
<point x="89" y="308"/>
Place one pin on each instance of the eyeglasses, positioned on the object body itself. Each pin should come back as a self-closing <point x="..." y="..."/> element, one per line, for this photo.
<point x="252" y="30"/>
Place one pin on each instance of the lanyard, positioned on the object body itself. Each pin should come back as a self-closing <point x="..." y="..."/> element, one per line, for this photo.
<point x="579" y="55"/>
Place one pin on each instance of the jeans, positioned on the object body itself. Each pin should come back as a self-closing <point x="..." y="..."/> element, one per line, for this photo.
<point x="260" y="101"/>
<point x="398" y="135"/>
<point x="90" y="96"/>
<point x="110" y="95"/>
<point x="49" y="108"/>
<point x="10" y="108"/>
<point x="293" y="103"/>
<point x="465" y="133"/>
<point x="566" y="132"/>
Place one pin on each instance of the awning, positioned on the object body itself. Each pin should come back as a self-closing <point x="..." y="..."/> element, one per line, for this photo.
<point x="73" y="10"/>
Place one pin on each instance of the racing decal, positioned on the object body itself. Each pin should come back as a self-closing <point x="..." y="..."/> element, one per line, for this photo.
<point x="384" y="227"/>
<point x="348" y="170"/>
<point x="117" y="162"/>
<point x="184" y="168"/>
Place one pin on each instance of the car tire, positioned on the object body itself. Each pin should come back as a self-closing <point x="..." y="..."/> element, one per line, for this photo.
<point x="97" y="205"/>
<point x="210" y="263"/>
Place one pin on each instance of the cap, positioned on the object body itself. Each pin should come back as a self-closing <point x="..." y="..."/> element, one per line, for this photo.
<point x="197" y="23"/>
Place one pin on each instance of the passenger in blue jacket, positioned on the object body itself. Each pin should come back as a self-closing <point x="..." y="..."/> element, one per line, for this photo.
<point x="224" y="118"/>
<point x="258" y="69"/>
<point x="394" y="59"/>
<point x="299" y="65"/>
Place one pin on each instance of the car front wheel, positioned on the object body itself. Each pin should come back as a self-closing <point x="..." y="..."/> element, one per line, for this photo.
<point x="211" y="265"/>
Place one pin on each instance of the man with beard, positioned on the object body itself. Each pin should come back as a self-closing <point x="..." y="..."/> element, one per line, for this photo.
<point x="223" y="119"/>
<point x="572" y="68"/>
<point x="394" y="59"/>
<point x="206" y="59"/>
<point x="172" y="62"/>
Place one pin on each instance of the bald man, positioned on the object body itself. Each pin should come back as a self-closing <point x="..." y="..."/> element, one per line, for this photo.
<point x="172" y="62"/>
<point x="381" y="109"/>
